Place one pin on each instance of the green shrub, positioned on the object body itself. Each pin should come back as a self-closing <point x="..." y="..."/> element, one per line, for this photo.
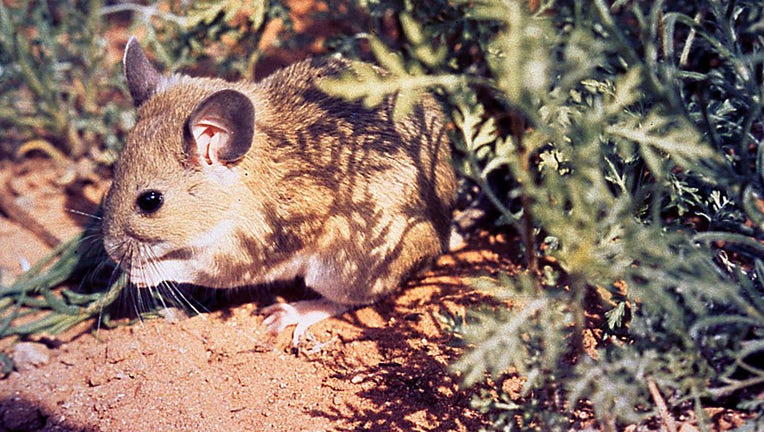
<point x="53" y="84"/>
<point x="641" y="175"/>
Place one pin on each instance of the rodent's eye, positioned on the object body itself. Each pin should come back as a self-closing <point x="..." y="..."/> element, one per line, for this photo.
<point x="150" y="201"/>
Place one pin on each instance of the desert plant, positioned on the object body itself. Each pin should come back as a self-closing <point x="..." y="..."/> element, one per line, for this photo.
<point x="53" y="86"/>
<point x="639" y="173"/>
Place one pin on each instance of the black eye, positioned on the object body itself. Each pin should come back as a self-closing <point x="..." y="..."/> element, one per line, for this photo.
<point x="150" y="201"/>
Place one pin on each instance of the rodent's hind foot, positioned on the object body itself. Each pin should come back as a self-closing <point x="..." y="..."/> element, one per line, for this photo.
<point x="302" y="314"/>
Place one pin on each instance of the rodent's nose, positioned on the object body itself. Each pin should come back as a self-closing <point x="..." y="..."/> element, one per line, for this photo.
<point x="121" y="225"/>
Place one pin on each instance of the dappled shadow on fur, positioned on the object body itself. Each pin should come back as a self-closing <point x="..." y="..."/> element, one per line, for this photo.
<point x="333" y="204"/>
<point x="365" y="196"/>
<point x="344" y="195"/>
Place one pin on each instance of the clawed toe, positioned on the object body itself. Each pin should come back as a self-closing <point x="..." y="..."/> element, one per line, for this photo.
<point x="279" y="316"/>
<point x="302" y="315"/>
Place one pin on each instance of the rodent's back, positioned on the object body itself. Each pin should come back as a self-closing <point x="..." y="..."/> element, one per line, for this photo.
<point x="334" y="156"/>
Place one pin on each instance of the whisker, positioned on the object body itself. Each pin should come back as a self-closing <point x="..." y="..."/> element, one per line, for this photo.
<point x="112" y="279"/>
<point x="95" y="238"/>
<point x="136" y="302"/>
<point x="126" y="262"/>
<point x="158" y="296"/>
<point x="139" y="257"/>
<point x="145" y="297"/>
<point x="168" y="293"/>
<point x="82" y="213"/>
<point x="185" y="301"/>
<point x="156" y="291"/>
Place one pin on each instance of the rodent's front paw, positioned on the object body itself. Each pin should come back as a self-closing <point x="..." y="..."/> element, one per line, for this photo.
<point x="279" y="316"/>
<point x="302" y="314"/>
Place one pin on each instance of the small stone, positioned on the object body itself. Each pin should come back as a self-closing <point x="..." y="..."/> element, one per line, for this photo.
<point x="357" y="379"/>
<point x="30" y="355"/>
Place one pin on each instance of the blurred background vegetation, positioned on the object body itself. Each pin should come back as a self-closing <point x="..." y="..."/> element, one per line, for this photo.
<point x="620" y="141"/>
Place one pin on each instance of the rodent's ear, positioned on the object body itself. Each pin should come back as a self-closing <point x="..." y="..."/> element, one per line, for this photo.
<point x="221" y="127"/>
<point x="142" y="78"/>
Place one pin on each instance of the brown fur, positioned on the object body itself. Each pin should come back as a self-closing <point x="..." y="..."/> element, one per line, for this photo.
<point x="340" y="194"/>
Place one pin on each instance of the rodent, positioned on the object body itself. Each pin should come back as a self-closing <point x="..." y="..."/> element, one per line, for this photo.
<point x="231" y="184"/>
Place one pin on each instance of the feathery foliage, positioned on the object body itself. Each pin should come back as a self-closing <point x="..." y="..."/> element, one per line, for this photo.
<point x="636" y="187"/>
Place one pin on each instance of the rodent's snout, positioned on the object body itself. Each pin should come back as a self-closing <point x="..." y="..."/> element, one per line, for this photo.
<point x="127" y="252"/>
<point x="111" y="243"/>
<point x="117" y="240"/>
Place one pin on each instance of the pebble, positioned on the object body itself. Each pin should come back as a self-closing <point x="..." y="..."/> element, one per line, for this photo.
<point x="30" y="355"/>
<point x="357" y="379"/>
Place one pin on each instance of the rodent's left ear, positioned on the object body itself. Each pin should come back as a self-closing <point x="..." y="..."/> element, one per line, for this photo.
<point x="142" y="78"/>
<point x="221" y="127"/>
